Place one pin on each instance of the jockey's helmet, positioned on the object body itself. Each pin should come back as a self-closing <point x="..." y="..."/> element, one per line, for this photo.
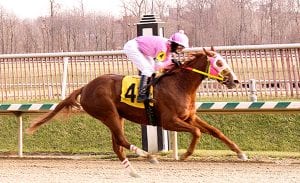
<point x="180" y="38"/>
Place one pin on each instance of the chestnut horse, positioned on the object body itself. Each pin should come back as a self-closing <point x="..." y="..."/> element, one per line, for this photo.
<point x="174" y="93"/>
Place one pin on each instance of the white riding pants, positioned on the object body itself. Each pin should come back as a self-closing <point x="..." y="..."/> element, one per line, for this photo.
<point x="144" y="63"/>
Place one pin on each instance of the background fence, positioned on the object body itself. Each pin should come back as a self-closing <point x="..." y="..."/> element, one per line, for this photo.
<point x="35" y="77"/>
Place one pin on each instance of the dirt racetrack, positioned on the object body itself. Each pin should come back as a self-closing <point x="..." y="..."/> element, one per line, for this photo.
<point x="52" y="170"/>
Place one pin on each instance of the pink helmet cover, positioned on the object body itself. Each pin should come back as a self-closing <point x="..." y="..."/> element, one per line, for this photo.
<point x="180" y="38"/>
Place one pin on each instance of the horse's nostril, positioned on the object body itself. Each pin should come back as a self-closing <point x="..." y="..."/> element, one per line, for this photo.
<point x="236" y="81"/>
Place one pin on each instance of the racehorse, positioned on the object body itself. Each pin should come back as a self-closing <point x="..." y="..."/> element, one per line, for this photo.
<point x="174" y="93"/>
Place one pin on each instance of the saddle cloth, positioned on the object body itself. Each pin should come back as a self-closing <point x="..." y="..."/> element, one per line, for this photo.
<point x="129" y="92"/>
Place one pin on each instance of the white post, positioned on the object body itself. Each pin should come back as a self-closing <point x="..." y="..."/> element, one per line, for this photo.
<point x="174" y="144"/>
<point x="165" y="139"/>
<point x="50" y="93"/>
<point x="20" y="135"/>
<point x="64" y="78"/>
<point x="252" y="87"/>
<point x="153" y="138"/>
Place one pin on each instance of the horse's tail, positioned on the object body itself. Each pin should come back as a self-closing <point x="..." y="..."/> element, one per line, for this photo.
<point x="68" y="103"/>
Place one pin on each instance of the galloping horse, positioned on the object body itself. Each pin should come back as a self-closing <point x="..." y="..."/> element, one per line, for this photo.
<point x="174" y="93"/>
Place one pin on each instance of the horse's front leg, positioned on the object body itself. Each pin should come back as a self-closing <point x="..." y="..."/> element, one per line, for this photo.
<point x="190" y="150"/>
<point x="209" y="129"/>
<point x="176" y="124"/>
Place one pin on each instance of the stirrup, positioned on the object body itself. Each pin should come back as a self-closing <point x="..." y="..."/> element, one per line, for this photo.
<point x="142" y="95"/>
<point x="141" y="98"/>
<point x="151" y="100"/>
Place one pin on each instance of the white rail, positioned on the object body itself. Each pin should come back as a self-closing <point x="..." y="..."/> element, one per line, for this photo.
<point x="40" y="76"/>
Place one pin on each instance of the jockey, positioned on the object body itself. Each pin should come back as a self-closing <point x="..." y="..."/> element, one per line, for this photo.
<point x="144" y="51"/>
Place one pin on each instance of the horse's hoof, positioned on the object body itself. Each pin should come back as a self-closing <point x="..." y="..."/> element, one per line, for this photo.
<point x="242" y="156"/>
<point x="183" y="157"/>
<point x="134" y="174"/>
<point x="153" y="161"/>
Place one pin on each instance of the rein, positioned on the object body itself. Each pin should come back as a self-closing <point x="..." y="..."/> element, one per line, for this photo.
<point x="155" y="80"/>
<point x="203" y="73"/>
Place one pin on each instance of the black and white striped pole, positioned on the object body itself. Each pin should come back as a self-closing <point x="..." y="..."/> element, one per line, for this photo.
<point x="154" y="139"/>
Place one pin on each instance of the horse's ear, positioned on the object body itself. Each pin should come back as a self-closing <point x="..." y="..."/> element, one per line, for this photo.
<point x="205" y="51"/>
<point x="208" y="53"/>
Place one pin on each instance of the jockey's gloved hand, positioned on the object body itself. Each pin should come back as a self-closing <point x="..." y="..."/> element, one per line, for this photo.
<point x="176" y="62"/>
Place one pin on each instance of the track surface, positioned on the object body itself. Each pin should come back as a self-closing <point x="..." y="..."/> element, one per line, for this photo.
<point x="77" y="170"/>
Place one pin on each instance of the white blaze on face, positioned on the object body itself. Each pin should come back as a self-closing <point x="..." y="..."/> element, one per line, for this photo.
<point x="220" y="65"/>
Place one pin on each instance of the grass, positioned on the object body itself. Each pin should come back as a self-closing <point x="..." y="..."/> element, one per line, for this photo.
<point x="83" y="134"/>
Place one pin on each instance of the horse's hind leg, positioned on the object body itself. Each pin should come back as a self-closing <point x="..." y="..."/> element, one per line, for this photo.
<point x="209" y="129"/>
<point x="119" y="141"/>
<point x="119" y="150"/>
<point x="117" y="130"/>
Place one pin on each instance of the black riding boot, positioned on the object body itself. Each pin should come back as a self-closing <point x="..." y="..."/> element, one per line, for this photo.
<point x="142" y="96"/>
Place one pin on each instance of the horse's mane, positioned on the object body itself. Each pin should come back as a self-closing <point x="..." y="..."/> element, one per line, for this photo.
<point x="193" y="56"/>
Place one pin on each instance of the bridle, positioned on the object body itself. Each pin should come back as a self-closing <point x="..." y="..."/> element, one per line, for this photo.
<point x="212" y="71"/>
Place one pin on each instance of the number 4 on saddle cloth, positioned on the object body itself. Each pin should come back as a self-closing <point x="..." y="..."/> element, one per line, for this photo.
<point x="129" y="96"/>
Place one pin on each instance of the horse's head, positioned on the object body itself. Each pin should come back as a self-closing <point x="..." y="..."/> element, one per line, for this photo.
<point x="217" y="68"/>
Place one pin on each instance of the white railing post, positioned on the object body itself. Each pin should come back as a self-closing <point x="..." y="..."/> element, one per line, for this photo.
<point x="174" y="144"/>
<point x="252" y="87"/>
<point x="64" y="78"/>
<point x="20" y="141"/>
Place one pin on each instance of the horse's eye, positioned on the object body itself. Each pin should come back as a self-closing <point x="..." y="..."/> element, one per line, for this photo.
<point x="219" y="63"/>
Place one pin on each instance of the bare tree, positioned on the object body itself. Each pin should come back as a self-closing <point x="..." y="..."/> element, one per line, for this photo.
<point x="180" y="4"/>
<point x="54" y="8"/>
<point x="196" y="14"/>
<point x="225" y="24"/>
<point x="2" y="30"/>
<point x="41" y="23"/>
<point x="294" y="20"/>
<point x="52" y="13"/>
<point x="243" y="6"/>
<point x="296" y="8"/>
<point x="11" y="36"/>
<point x="206" y="22"/>
<point x="29" y="42"/>
<point x="297" y="11"/>
<point x="271" y="16"/>
<point x="160" y="7"/>
<point x="8" y="28"/>
<point x="134" y="7"/>
<point x="82" y="8"/>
